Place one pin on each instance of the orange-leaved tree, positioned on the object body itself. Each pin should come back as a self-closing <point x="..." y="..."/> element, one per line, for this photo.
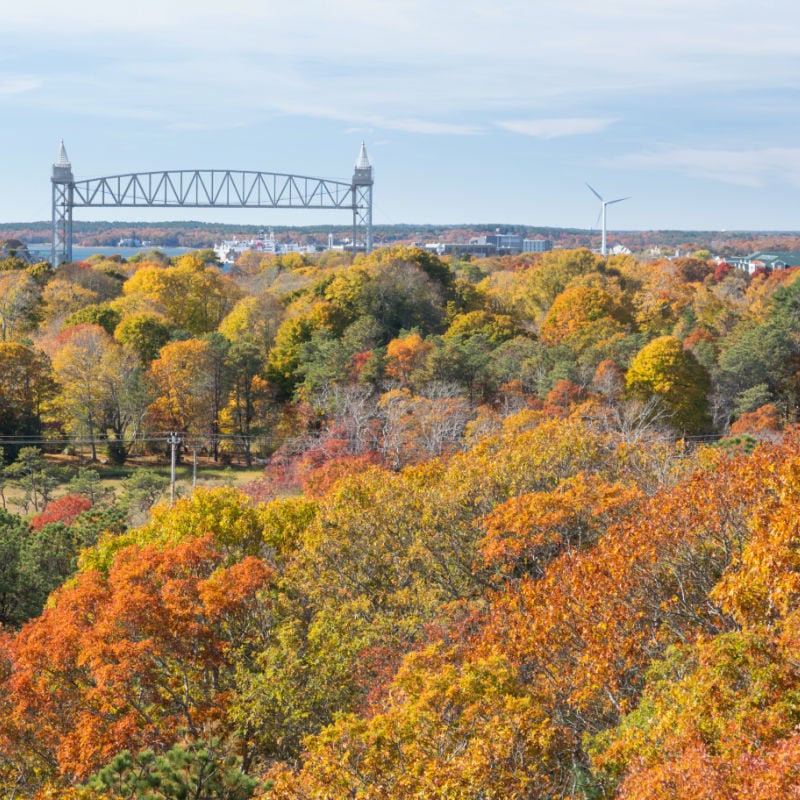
<point x="129" y="659"/>
<point x="718" y="715"/>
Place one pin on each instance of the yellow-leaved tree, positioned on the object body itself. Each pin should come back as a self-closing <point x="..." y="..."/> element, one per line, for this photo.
<point x="665" y="370"/>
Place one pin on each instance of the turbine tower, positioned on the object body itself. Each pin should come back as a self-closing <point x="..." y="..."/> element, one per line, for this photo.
<point x="604" y="203"/>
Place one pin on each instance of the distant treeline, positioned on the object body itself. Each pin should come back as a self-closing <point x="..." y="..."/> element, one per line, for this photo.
<point x="206" y="234"/>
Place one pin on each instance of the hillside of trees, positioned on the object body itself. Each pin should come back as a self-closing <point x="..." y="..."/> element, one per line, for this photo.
<point x="522" y="527"/>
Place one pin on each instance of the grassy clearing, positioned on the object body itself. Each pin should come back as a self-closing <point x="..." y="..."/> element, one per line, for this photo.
<point x="209" y="475"/>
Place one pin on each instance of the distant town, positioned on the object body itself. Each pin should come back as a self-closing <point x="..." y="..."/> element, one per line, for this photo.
<point x="749" y="250"/>
<point x="480" y="239"/>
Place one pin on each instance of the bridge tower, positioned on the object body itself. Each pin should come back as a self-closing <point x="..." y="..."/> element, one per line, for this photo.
<point x="63" y="185"/>
<point x="362" y="199"/>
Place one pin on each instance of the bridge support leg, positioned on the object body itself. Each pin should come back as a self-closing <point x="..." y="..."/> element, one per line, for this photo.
<point x="62" y="223"/>
<point x="362" y="216"/>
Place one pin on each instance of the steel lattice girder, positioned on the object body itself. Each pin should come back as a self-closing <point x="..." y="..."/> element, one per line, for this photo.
<point x="213" y="189"/>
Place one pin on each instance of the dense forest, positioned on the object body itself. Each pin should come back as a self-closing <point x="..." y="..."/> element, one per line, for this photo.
<point x="522" y="527"/>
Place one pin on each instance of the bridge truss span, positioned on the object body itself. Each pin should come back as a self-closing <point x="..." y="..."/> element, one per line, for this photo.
<point x="211" y="188"/>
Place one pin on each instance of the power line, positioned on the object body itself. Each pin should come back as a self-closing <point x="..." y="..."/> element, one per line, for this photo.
<point x="195" y="440"/>
<point x="210" y="438"/>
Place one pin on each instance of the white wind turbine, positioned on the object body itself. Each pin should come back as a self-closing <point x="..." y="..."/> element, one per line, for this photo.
<point x="603" y="250"/>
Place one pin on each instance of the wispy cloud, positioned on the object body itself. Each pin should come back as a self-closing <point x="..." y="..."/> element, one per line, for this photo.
<point x="18" y="84"/>
<point x="753" y="168"/>
<point x="204" y="126"/>
<point x="411" y="125"/>
<point x="460" y="61"/>
<point x="555" y="128"/>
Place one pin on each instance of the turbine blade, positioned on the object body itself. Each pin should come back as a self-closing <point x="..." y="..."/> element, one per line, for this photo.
<point x="595" y="193"/>
<point x="619" y="200"/>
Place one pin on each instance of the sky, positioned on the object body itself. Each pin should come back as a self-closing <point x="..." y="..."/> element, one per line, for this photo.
<point x="495" y="112"/>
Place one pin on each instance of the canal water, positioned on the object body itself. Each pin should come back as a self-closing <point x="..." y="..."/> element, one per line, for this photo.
<point x="41" y="253"/>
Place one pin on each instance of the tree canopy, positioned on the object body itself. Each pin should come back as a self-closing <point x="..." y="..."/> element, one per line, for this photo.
<point x="521" y="528"/>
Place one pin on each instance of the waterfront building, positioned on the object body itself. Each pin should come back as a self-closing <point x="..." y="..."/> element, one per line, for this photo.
<point x="536" y="245"/>
<point x="769" y="261"/>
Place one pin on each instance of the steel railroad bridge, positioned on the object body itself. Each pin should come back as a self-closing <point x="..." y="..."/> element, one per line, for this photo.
<point x="209" y="188"/>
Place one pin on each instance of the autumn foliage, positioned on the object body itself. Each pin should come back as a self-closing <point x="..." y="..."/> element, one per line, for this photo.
<point x="127" y="658"/>
<point x="502" y="545"/>
<point x="553" y="688"/>
<point x="561" y="611"/>
<point x="64" y="509"/>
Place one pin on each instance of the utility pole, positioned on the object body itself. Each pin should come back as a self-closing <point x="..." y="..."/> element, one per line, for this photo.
<point x="173" y="439"/>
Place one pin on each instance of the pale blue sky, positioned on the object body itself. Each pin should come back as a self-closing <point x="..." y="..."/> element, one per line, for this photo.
<point x="473" y="112"/>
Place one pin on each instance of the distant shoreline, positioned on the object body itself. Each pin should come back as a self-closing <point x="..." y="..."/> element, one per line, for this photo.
<point x="173" y="238"/>
<point x="80" y="253"/>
